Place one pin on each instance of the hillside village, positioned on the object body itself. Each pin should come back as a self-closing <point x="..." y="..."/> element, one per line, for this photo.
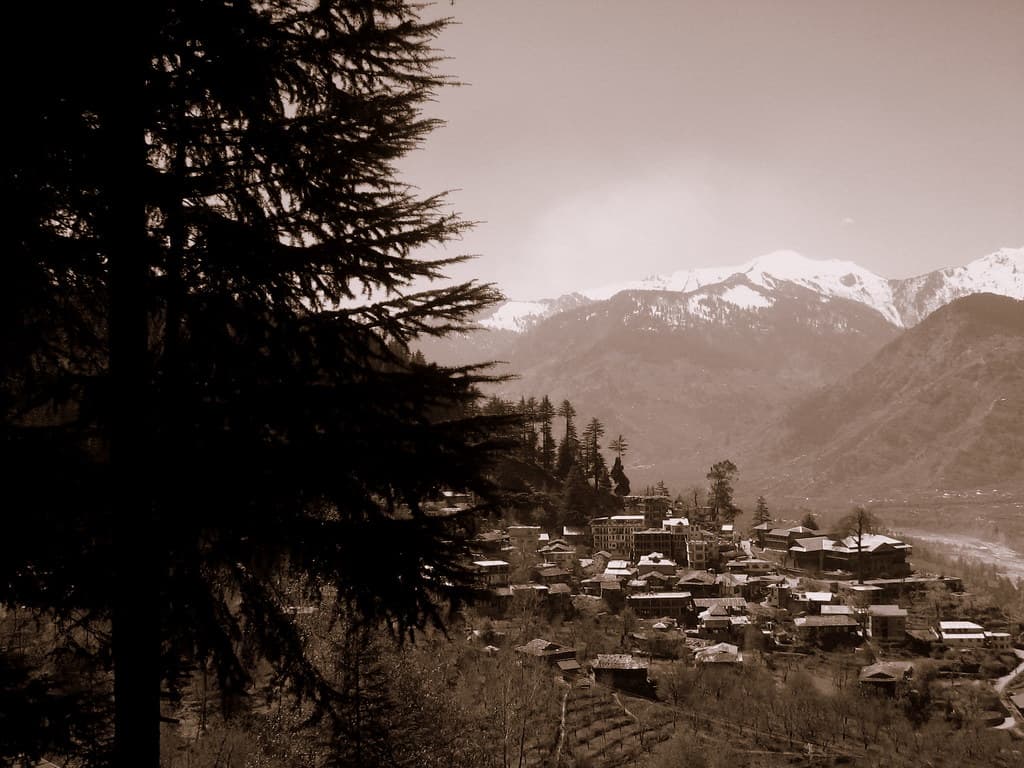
<point x="680" y="591"/>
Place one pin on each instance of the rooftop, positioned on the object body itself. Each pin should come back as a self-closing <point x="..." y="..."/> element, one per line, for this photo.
<point x="619" y="661"/>
<point x="826" y="620"/>
<point x="960" y="626"/>
<point x="886" y="610"/>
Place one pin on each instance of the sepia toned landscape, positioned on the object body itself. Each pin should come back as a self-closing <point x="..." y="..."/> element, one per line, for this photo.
<point x="513" y="384"/>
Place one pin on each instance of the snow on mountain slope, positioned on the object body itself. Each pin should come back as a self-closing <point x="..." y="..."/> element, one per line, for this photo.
<point x="903" y="303"/>
<point x="513" y="315"/>
<point x="1001" y="273"/>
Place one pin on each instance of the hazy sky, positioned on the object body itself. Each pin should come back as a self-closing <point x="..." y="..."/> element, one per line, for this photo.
<point x="604" y="141"/>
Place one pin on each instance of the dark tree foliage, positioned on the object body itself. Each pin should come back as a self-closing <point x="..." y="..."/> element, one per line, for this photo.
<point x="211" y="278"/>
<point x="810" y="521"/>
<point x="721" y="476"/>
<point x="578" y="498"/>
<point x="618" y="476"/>
<point x="856" y="524"/>
<point x="569" y="446"/>
<point x="761" y="513"/>
<point x="593" y="460"/>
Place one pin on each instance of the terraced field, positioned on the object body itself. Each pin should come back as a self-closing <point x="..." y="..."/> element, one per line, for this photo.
<point x="604" y="728"/>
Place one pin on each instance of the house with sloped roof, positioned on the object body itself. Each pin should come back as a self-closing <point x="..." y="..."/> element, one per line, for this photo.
<point x="722" y="653"/>
<point x="546" y="650"/>
<point x="887" y="677"/>
<point x="622" y="670"/>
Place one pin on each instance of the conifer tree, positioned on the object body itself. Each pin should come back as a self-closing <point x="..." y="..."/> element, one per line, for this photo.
<point x="545" y="413"/>
<point x="592" y="459"/>
<point x="568" y="448"/>
<point x="761" y="513"/>
<point x="211" y="285"/>
<point x="618" y="476"/>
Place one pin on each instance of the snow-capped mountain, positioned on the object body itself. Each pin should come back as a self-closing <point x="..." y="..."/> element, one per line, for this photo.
<point x="1001" y="273"/>
<point x="902" y="302"/>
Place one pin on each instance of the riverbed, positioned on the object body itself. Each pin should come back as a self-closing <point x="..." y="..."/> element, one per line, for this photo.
<point x="1008" y="561"/>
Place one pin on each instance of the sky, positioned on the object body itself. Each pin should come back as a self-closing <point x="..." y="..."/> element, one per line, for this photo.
<point x="603" y="141"/>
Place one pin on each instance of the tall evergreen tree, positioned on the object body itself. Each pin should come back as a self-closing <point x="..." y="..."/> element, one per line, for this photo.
<point x="619" y="446"/>
<point x="545" y="413"/>
<point x="577" y="497"/>
<point x="593" y="461"/>
<point x="761" y="513"/>
<point x="210" y="279"/>
<point x="618" y="476"/>
<point x="569" y="447"/>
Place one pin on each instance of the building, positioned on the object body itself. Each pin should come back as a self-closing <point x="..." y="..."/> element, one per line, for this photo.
<point x="547" y="651"/>
<point x="622" y="670"/>
<point x="698" y="583"/>
<point x="781" y="539"/>
<point x="701" y="550"/>
<point x="492" y="573"/>
<point x="887" y="623"/>
<point x="809" y="602"/>
<point x="558" y="551"/>
<point x="759" y="532"/>
<point x="960" y="634"/>
<point x="655" y="540"/>
<point x="751" y="566"/>
<point x="887" y="677"/>
<point x="827" y="629"/>
<point x="650" y="605"/>
<point x="655" y="562"/>
<point x="615" y="534"/>
<point x="722" y="653"/>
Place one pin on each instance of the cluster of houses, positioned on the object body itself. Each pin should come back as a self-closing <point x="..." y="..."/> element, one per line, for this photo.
<point x="700" y="583"/>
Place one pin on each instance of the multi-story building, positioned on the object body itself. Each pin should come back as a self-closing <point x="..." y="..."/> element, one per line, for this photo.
<point x="887" y="623"/>
<point x="649" y="605"/>
<point x="701" y="550"/>
<point x="615" y="534"/>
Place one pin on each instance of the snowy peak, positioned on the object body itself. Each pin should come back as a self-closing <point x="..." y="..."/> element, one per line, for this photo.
<point x="1001" y="273"/>
<point x="832" y="278"/>
<point x="902" y="303"/>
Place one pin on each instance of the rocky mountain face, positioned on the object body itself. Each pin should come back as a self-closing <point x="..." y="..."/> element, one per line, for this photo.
<point x="708" y="364"/>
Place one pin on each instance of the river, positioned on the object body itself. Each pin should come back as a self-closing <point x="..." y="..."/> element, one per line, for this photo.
<point x="1009" y="561"/>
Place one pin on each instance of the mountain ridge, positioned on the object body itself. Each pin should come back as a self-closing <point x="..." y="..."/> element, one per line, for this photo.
<point x="901" y="301"/>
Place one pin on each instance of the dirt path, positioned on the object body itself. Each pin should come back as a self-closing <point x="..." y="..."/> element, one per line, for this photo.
<point x="561" y="727"/>
<point x="1002" y="682"/>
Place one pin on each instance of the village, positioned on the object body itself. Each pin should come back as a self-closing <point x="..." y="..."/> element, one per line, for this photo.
<point x="643" y="602"/>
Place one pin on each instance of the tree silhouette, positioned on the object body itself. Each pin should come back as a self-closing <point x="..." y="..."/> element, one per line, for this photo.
<point x="212" y="276"/>
<point x="721" y="476"/>
<point x="856" y="524"/>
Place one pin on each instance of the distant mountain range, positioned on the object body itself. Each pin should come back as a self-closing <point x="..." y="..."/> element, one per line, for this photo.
<point x="787" y="365"/>
<point x="903" y="302"/>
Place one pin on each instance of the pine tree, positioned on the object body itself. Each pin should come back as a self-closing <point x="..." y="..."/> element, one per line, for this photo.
<point x="209" y="294"/>
<point x="545" y="413"/>
<point x="593" y="461"/>
<point x="569" y="447"/>
<point x="618" y="476"/>
<point x="577" y="497"/>
<point x="619" y="446"/>
<point x="761" y="514"/>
